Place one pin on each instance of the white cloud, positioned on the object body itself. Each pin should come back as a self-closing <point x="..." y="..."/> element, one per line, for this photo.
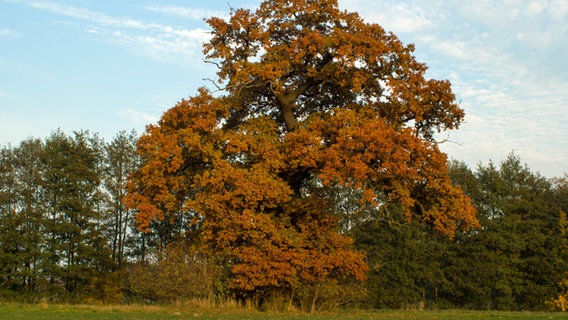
<point x="8" y="98"/>
<point x="403" y="18"/>
<point x="455" y="49"/>
<point x="136" y="116"/>
<point x="396" y="16"/>
<point x="8" y="33"/>
<point x="179" y="46"/>
<point x="536" y="7"/>
<point x="559" y="9"/>
<point x="6" y="95"/>
<point x="185" y="12"/>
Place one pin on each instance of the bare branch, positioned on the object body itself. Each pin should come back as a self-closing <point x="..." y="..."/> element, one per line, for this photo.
<point x="447" y="139"/>
<point x="213" y="63"/>
<point x="214" y="83"/>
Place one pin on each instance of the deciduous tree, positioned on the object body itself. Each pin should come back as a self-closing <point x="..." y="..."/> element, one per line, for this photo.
<point x="310" y="98"/>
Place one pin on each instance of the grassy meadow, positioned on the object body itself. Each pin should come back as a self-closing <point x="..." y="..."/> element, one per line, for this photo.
<point x="140" y="312"/>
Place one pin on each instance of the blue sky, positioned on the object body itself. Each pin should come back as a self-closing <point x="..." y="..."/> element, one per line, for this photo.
<point x="107" y="66"/>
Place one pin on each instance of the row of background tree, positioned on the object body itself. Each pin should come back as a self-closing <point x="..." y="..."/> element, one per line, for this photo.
<point x="65" y="234"/>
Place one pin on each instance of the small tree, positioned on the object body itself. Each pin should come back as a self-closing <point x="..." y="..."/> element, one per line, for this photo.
<point x="180" y="272"/>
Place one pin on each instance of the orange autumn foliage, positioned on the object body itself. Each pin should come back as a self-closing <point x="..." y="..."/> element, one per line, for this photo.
<point x="313" y="97"/>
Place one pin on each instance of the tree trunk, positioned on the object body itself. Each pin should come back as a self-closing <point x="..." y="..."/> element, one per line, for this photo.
<point x="314" y="300"/>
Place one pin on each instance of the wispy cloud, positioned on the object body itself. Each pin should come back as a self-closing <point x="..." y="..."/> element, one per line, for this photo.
<point x="160" y="41"/>
<point x="8" y="33"/>
<point x="137" y="116"/>
<point x="186" y="12"/>
<point x="397" y="16"/>
<point x="7" y="98"/>
<point x="6" y="95"/>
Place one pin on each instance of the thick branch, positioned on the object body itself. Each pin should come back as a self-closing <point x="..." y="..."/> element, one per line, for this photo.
<point x="287" y="106"/>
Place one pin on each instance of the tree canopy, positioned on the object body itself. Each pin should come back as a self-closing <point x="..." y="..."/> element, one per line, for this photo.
<point x="309" y="98"/>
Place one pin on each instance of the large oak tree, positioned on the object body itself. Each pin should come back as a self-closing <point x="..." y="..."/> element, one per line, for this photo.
<point x="309" y="98"/>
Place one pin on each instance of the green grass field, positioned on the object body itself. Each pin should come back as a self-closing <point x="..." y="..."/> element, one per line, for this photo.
<point x="62" y="312"/>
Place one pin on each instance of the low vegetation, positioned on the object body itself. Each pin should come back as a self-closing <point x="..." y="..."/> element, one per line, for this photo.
<point x="140" y="312"/>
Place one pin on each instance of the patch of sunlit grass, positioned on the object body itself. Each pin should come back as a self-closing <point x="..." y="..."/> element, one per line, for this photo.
<point x="200" y="309"/>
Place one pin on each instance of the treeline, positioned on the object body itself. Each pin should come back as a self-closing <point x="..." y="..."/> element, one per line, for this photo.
<point x="516" y="259"/>
<point x="66" y="235"/>
<point x="64" y="232"/>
